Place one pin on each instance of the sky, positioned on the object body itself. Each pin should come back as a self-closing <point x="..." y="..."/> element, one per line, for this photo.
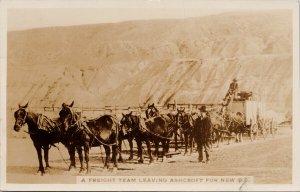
<point x="37" y="14"/>
<point x="20" y="19"/>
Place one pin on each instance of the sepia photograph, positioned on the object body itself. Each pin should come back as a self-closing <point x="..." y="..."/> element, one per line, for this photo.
<point x="150" y="95"/>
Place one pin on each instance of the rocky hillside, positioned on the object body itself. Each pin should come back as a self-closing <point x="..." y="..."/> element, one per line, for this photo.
<point x="136" y="62"/>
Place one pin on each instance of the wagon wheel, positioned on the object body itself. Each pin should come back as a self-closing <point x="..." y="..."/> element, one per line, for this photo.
<point x="253" y="131"/>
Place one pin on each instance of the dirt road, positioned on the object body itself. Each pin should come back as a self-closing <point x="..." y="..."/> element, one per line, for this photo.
<point x="269" y="161"/>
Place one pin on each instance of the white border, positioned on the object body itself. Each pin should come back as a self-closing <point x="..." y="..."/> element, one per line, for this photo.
<point x="289" y="4"/>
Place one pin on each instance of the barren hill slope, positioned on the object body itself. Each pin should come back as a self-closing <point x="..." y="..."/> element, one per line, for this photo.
<point x="130" y="63"/>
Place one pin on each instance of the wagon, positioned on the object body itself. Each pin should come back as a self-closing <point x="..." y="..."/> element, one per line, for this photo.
<point x="254" y="114"/>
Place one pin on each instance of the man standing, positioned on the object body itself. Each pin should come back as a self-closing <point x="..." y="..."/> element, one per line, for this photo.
<point x="202" y="133"/>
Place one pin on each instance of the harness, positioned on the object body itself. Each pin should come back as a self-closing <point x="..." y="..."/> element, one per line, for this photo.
<point x="143" y="126"/>
<point x="23" y="121"/>
<point x="81" y="126"/>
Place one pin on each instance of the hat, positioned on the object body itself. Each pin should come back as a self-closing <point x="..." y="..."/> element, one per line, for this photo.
<point x="203" y="108"/>
<point x="234" y="79"/>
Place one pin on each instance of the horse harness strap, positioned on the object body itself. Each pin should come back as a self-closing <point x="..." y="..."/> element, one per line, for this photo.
<point x="23" y="120"/>
<point x="89" y="131"/>
<point x="143" y="126"/>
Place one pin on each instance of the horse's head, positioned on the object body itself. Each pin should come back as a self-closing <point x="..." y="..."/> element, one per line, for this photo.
<point x="20" y="117"/>
<point x="151" y="111"/>
<point x="181" y="116"/>
<point x="127" y="122"/>
<point x="67" y="115"/>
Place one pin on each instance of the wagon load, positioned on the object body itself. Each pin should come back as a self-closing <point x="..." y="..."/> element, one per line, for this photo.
<point x="46" y="124"/>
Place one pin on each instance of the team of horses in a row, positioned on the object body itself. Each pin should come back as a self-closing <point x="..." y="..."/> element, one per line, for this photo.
<point x="79" y="134"/>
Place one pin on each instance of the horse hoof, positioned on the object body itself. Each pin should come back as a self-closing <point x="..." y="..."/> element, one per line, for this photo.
<point x="120" y="160"/>
<point x="88" y="171"/>
<point x="130" y="158"/>
<point x="140" y="161"/>
<point x="39" y="172"/>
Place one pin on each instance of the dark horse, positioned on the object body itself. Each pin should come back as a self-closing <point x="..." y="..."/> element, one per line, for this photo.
<point x="90" y="133"/>
<point x="220" y="130"/>
<point x="170" y="121"/>
<point x="202" y="135"/>
<point x="43" y="131"/>
<point x="125" y="133"/>
<point x="133" y="125"/>
<point x="154" y="129"/>
<point x="185" y="123"/>
<point x="235" y="124"/>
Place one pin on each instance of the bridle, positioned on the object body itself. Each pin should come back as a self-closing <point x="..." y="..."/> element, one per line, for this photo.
<point x="128" y="122"/>
<point x="23" y="120"/>
<point x="73" y="119"/>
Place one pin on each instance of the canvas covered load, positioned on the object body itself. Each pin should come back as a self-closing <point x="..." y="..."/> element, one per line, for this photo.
<point x="46" y="124"/>
<point x="254" y="110"/>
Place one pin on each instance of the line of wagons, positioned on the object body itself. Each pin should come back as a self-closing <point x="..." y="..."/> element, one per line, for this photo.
<point x="202" y="128"/>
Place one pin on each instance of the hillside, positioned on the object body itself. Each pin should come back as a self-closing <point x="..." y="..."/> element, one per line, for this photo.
<point x="136" y="62"/>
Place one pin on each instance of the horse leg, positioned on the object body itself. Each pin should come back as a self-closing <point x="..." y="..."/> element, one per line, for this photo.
<point x="114" y="155"/>
<point x="140" y="152"/>
<point x="46" y="156"/>
<point x="156" y="143"/>
<point x="167" y="146"/>
<point x="120" y="150"/>
<point x="176" y="142"/>
<point x="79" y="151"/>
<point x="190" y="137"/>
<point x="107" y="158"/>
<point x="86" y="149"/>
<point x="236" y="136"/>
<point x="130" y="141"/>
<point x="218" y="137"/>
<point x="71" y="150"/>
<point x="163" y="142"/>
<point x="149" y="151"/>
<point x="186" y="143"/>
<point x="39" y="153"/>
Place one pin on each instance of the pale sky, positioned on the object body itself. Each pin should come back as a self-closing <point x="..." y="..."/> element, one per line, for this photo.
<point x="19" y="19"/>
<point x="36" y="14"/>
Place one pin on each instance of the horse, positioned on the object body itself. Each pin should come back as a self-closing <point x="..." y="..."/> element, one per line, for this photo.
<point x="90" y="133"/>
<point x="133" y="125"/>
<point x="235" y="124"/>
<point x="185" y="123"/>
<point x="43" y="131"/>
<point x="125" y="133"/>
<point x="202" y="135"/>
<point x="170" y="120"/>
<point x="219" y="127"/>
<point x="151" y="111"/>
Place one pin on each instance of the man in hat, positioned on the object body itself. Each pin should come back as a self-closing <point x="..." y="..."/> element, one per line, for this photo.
<point x="232" y="91"/>
<point x="203" y="133"/>
<point x="203" y="112"/>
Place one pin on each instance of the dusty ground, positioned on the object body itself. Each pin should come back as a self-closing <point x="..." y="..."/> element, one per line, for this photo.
<point x="269" y="161"/>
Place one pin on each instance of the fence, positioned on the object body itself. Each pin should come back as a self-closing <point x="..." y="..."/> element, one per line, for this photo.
<point x="118" y="110"/>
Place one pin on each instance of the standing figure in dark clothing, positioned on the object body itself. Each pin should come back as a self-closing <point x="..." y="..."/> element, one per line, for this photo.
<point x="231" y="93"/>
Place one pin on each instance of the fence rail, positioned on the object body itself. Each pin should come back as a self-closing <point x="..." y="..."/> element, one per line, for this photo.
<point x="117" y="109"/>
